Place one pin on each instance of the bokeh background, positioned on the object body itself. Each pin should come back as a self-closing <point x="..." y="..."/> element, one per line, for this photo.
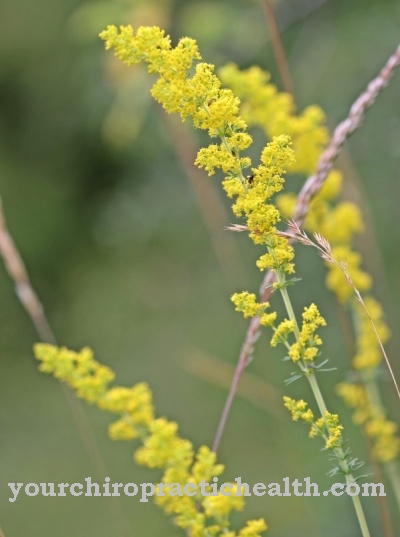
<point x="99" y="202"/>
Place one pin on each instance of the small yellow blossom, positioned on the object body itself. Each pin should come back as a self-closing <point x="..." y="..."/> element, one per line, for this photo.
<point x="306" y="346"/>
<point x="122" y="429"/>
<point x="205" y="466"/>
<point x="253" y="528"/>
<point x="247" y="304"/>
<point x="221" y="506"/>
<point x="282" y="332"/>
<point x="299" y="410"/>
<point x="329" y="427"/>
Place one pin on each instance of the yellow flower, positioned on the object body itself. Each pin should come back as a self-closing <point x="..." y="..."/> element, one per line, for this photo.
<point x="282" y="332"/>
<point x="221" y="506"/>
<point x="274" y="111"/>
<point x="247" y="304"/>
<point x="299" y="410"/>
<point x="253" y="528"/>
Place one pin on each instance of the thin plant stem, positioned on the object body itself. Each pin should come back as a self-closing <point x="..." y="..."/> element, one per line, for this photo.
<point x="393" y="474"/>
<point x="312" y="379"/>
<point x="253" y="389"/>
<point x="244" y="358"/>
<point x="317" y="394"/>
<point x="289" y="307"/>
<point x="341" y="133"/>
<point x="310" y="188"/>
<point x="277" y="45"/>
<point x="27" y="296"/>
<point x="359" y="511"/>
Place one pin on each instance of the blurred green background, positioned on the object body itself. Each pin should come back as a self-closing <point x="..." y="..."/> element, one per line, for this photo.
<point x="100" y="206"/>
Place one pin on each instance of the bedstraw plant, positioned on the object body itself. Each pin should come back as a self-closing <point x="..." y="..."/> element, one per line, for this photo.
<point x="225" y="106"/>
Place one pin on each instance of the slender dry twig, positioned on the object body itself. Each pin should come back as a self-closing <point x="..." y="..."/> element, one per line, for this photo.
<point x="279" y="51"/>
<point x="252" y="388"/>
<point x="342" y="133"/>
<point x="310" y="188"/>
<point x="26" y="294"/>
<point x="32" y="305"/>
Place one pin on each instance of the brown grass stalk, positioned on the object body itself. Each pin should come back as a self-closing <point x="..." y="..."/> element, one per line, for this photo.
<point x="277" y="45"/>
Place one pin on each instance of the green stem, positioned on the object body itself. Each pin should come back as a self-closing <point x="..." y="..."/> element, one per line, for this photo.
<point x="393" y="474"/>
<point x="359" y="510"/>
<point x="321" y="404"/>
<point x="317" y="394"/>
<point x="289" y="308"/>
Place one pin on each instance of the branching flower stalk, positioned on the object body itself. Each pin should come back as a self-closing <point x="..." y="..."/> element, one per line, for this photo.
<point x="201" y="97"/>
<point x="304" y="352"/>
<point x="194" y="91"/>
<point x="160" y="447"/>
<point x="345" y="464"/>
<point x="261" y="106"/>
<point x="338" y="221"/>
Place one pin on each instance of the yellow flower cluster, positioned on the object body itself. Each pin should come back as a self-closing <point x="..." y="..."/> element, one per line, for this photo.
<point x="216" y="110"/>
<point x="383" y="432"/>
<point x="247" y="304"/>
<point x="162" y="447"/>
<point x="279" y="257"/>
<point x="253" y="200"/>
<point x="281" y="332"/>
<point x="298" y="409"/>
<point x="327" y="426"/>
<point x="275" y="112"/>
<point x="306" y="346"/>
<point x="307" y="341"/>
<point x="264" y="106"/>
<point x="134" y="405"/>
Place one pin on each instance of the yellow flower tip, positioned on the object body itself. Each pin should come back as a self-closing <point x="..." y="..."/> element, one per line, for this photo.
<point x="109" y="35"/>
<point x="122" y="430"/>
<point x="247" y="304"/>
<point x="298" y="409"/>
<point x="282" y="332"/>
<point x="222" y="506"/>
<point x="253" y="528"/>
